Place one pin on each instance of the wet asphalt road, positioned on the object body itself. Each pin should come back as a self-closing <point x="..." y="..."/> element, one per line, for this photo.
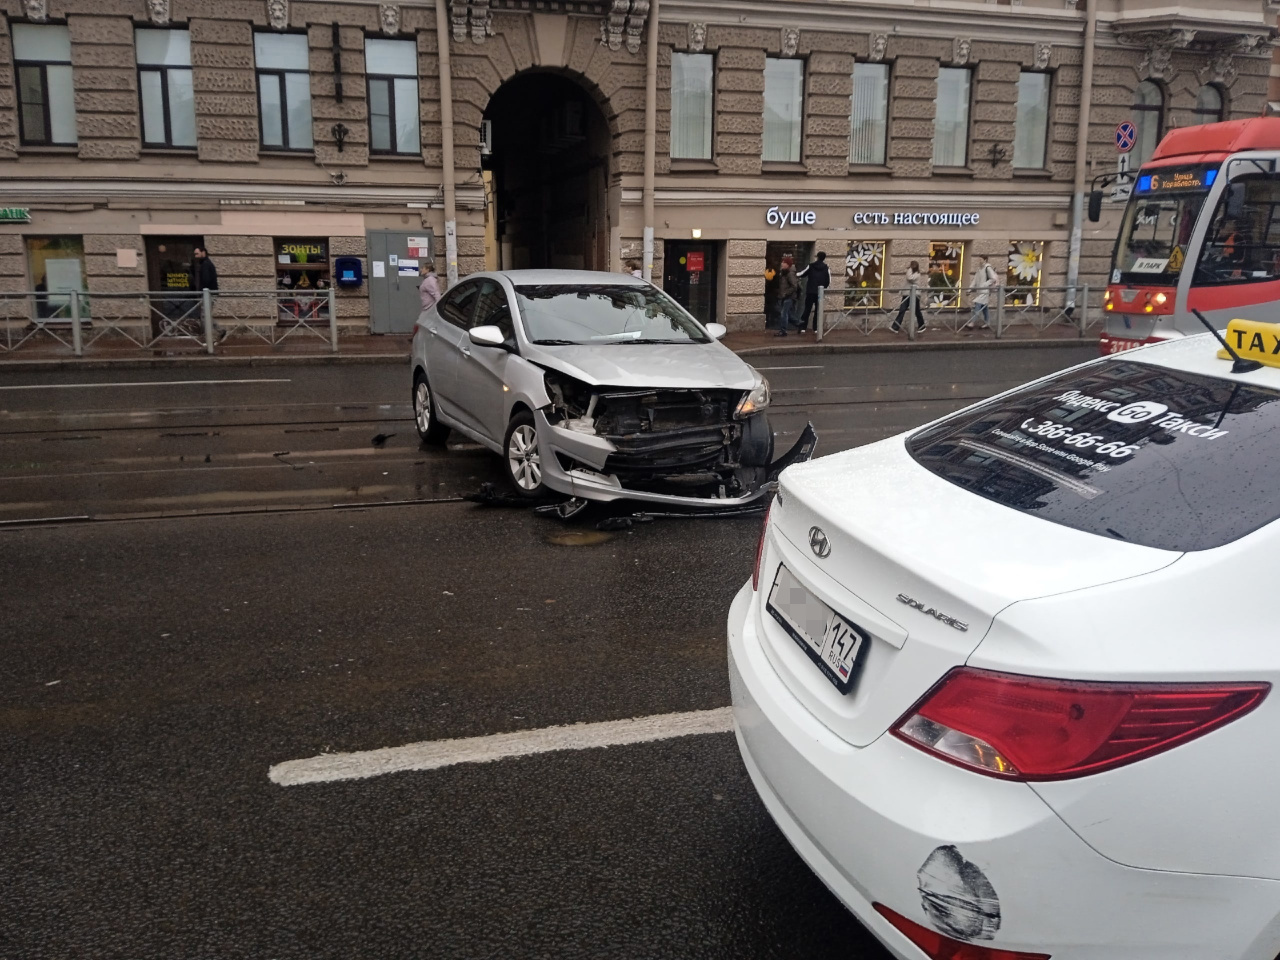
<point x="152" y="671"/>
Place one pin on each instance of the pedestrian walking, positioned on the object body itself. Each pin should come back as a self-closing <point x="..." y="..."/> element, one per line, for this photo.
<point x="633" y="268"/>
<point x="913" y="286"/>
<point x="204" y="276"/>
<point x="982" y="282"/>
<point x="819" y="277"/>
<point x="788" y="295"/>
<point x="429" y="288"/>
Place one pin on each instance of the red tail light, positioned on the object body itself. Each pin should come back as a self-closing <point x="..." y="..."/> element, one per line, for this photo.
<point x="938" y="947"/>
<point x="755" y="572"/>
<point x="1032" y="728"/>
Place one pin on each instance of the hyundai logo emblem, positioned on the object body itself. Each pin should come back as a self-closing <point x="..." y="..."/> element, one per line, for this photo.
<point x="819" y="543"/>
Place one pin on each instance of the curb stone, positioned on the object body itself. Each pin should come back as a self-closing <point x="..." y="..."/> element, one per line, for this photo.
<point x="371" y="359"/>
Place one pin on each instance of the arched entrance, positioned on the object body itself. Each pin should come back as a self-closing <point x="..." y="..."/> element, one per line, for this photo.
<point x="550" y="175"/>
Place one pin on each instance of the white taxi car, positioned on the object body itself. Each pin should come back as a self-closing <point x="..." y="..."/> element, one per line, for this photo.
<point x="1004" y="682"/>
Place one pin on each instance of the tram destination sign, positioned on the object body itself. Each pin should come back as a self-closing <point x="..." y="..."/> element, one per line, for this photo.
<point x="1162" y="181"/>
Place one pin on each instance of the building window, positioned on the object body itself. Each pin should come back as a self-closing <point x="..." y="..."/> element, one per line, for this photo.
<point x="1209" y="106"/>
<point x="164" y="87"/>
<point x="951" y="118"/>
<point x="691" y="105"/>
<point x="864" y="274"/>
<point x="1148" y="117"/>
<point x="869" y="114"/>
<point x="783" y="103"/>
<point x="1031" y="127"/>
<point x="391" y="67"/>
<point x="302" y="264"/>
<point x="1022" y="276"/>
<point x="946" y="267"/>
<point x="46" y="98"/>
<point x="57" y="268"/>
<point x="284" y="90"/>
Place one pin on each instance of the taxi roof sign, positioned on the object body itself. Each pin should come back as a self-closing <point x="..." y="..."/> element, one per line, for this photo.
<point x="1253" y="340"/>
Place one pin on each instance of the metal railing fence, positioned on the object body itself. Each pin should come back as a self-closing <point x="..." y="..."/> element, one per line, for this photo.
<point x="867" y="309"/>
<point x="80" y="321"/>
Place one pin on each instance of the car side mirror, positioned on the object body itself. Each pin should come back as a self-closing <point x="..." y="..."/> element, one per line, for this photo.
<point x="717" y="330"/>
<point x="487" y="336"/>
<point x="1095" y="206"/>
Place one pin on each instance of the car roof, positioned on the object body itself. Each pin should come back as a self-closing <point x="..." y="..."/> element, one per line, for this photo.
<point x="567" y="277"/>
<point x="1199" y="354"/>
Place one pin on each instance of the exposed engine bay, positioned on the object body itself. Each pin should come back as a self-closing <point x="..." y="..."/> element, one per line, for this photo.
<point x="688" y="441"/>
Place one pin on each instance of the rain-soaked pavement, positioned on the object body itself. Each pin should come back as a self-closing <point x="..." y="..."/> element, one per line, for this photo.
<point x="154" y="670"/>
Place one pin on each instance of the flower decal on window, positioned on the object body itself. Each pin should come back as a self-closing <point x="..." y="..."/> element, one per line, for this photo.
<point x="1022" y="276"/>
<point x="864" y="274"/>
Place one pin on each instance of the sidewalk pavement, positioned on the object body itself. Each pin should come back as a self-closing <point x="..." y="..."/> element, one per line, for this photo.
<point x="48" y="354"/>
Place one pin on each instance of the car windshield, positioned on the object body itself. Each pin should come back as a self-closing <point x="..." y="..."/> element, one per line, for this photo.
<point x="604" y="314"/>
<point x="1157" y="227"/>
<point x="1131" y="451"/>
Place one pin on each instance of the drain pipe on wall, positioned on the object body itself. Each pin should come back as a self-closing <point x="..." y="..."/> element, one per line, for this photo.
<point x="1082" y="153"/>
<point x="446" y="124"/>
<point x="650" y="135"/>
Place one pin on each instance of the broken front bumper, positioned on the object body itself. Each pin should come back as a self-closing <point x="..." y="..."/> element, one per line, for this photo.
<point x="590" y="482"/>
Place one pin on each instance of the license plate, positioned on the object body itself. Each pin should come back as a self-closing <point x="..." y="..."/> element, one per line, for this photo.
<point x="831" y="641"/>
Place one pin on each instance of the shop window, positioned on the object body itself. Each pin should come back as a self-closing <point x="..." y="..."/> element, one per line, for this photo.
<point x="57" y="268"/>
<point x="302" y="268"/>
<point x="1031" y="125"/>
<point x="783" y="105"/>
<point x="951" y="118"/>
<point x="1148" y="117"/>
<point x="284" y="90"/>
<point x="1022" y="275"/>
<point x="864" y="274"/>
<point x="46" y="98"/>
<point x="869" y="113"/>
<point x="1210" y="105"/>
<point x="392" y="72"/>
<point x="691" y="105"/>
<point x="164" y="88"/>
<point x="946" y="268"/>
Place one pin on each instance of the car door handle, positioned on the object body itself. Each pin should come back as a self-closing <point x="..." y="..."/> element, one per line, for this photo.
<point x="465" y="351"/>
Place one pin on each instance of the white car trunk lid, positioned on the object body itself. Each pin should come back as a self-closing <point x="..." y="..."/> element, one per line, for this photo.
<point x="921" y="566"/>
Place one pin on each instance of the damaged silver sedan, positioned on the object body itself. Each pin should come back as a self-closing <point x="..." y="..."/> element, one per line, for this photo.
<point x="597" y="386"/>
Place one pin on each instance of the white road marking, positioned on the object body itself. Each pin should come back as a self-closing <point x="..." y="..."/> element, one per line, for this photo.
<point x="811" y="367"/>
<point x="139" y="383"/>
<point x="433" y="754"/>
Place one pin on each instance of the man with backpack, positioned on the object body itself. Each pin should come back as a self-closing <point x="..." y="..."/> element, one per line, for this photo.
<point x="819" y="276"/>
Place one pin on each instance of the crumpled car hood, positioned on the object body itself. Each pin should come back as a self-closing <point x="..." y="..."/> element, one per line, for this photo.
<point x="649" y="365"/>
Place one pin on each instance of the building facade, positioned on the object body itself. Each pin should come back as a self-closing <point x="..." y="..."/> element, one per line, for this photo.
<point x="304" y="143"/>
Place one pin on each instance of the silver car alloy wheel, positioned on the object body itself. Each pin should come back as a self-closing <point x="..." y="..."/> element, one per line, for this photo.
<point x="422" y="406"/>
<point x="522" y="457"/>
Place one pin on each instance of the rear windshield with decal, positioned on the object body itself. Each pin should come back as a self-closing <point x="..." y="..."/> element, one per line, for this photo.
<point x="1126" y="450"/>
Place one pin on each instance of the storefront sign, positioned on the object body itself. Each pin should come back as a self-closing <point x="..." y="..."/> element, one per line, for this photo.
<point x="777" y="217"/>
<point x="15" y="215"/>
<point x="931" y="219"/>
<point x="694" y="261"/>
<point x="301" y="252"/>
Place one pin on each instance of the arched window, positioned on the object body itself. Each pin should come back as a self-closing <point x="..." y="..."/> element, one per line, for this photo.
<point x="1148" y="117"/>
<point x="1209" y="105"/>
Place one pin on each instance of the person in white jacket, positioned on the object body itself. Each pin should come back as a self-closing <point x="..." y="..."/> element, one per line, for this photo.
<point x="913" y="283"/>
<point x="984" y="280"/>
